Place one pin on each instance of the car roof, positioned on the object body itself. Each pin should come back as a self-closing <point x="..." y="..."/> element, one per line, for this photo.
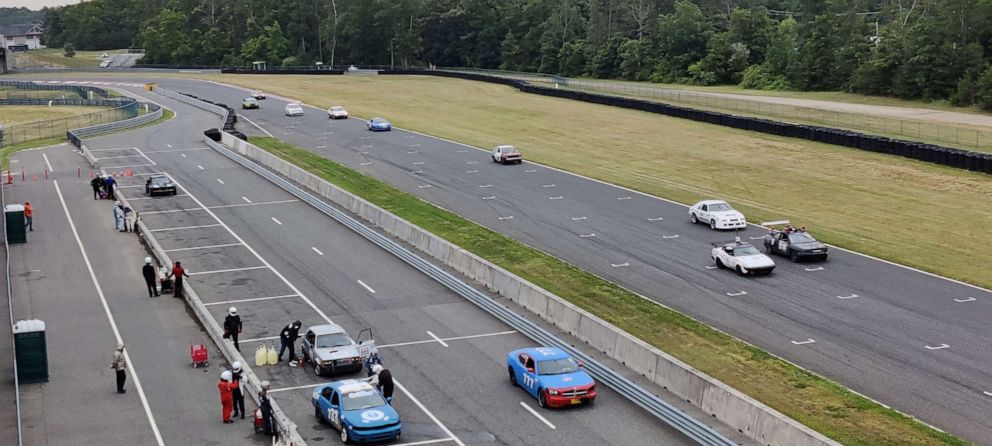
<point x="158" y="176"/>
<point x="296" y="104"/>
<point x="712" y="202"/>
<point x="505" y="145"/>
<point x="326" y="329"/>
<point x="544" y="353"/>
<point x="347" y="386"/>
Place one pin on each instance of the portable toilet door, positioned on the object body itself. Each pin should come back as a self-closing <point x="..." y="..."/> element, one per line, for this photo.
<point x="31" y="351"/>
<point x="16" y="226"/>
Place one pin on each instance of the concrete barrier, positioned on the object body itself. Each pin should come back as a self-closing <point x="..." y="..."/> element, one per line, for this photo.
<point x="754" y="419"/>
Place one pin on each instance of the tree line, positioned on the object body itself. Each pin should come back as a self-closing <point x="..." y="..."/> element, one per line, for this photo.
<point x="914" y="49"/>
<point x="17" y="16"/>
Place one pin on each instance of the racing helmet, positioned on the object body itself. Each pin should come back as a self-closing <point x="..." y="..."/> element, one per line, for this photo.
<point x="377" y="368"/>
<point x="148" y="260"/>
<point x="233" y="311"/>
<point x="226" y="375"/>
<point x="236" y="366"/>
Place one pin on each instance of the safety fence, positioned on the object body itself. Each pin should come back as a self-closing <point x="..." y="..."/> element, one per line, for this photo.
<point x="153" y="112"/>
<point x="10" y="309"/>
<point x="962" y="159"/>
<point x="116" y="109"/>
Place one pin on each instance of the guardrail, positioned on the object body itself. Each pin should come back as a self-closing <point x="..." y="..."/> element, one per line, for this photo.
<point x="75" y="136"/>
<point x="654" y="405"/>
<point x="10" y="309"/>
<point x="217" y="110"/>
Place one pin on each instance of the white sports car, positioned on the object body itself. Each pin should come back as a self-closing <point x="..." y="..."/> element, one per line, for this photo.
<point x="718" y="214"/>
<point x="741" y="257"/>
<point x="337" y="112"/>
<point x="294" y="109"/>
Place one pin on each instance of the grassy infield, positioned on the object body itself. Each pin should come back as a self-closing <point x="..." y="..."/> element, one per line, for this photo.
<point x="850" y="194"/>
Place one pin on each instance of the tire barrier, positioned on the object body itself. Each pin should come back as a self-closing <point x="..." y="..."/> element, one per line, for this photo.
<point x="946" y="156"/>
<point x="282" y="70"/>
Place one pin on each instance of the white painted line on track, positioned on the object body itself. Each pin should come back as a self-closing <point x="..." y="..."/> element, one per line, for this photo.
<point x="229" y="270"/>
<point x="127" y="166"/>
<point x="199" y="167"/>
<point x="472" y="162"/>
<point x="756" y="238"/>
<point x="656" y="219"/>
<point x="547" y="185"/>
<point x="670" y="236"/>
<point x="277" y="221"/>
<point x="539" y="417"/>
<point x="491" y="197"/>
<point x="254" y="299"/>
<point x="439" y="340"/>
<point x="530" y="171"/>
<point x="414" y="145"/>
<point x="711" y="267"/>
<point x="113" y="323"/>
<point x="47" y="163"/>
<point x="852" y="296"/>
<point x="246" y="199"/>
<point x="314" y="248"/>
<point x="485" y="185"/>
<point x="222" y="206"/>
<point x="182" y="155"/>
<point x="818" y="268"/>
<point x="363" y="153"/>
<point x="739" y="293"/>
<point x="150" y="198"/>
<point x="456" y="338"/>
<point x="411" y="152"/>
<point x="429" y="413"/>
<point x="180" y="228"/>
<point x="471" y="171"/>
<point x="967" y="299"/>
<point x="366" y="286"/>
<point x="587" y="235"/>
<point x="220" y="181"/>
<point x="169" y="145"/>
<point x="623" y="198"/>
<point x="177" y="150"/>
<point x="619" y="265"/>
<point x="462" y="151"/>
<point x="987" y="393"/>
<point x="939" y="347"/>
<point x="416" y="172"/>
<point x="418" y="443"/>
<point x="807" y="341"/>
<point x="509" y="217"/>
<point x="556" y="198"/>
<point x="366" y="164"/>
<point x="202" y="247"/>
<point x="256" y="125"/>
<point x="145" y="156"/>
<point x="578" y="218"/>
<point x="418" y="163"/>
<point x="424" y="186"/>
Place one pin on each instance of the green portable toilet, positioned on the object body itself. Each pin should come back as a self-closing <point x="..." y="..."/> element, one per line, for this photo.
<point x="31" y="351"/>
<point x="16" y="226"/>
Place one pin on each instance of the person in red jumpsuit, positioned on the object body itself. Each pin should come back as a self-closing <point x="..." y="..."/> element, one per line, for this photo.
<point x="226" y="396"/>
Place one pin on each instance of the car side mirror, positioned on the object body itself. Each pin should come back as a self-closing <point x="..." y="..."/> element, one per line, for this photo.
<point x="581" y="364"/>
<point x="530" y="369"/>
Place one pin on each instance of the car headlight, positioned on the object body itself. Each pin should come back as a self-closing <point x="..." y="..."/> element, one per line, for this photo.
<point x="552" y="392"/>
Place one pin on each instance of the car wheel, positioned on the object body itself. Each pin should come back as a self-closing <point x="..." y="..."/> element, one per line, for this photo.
<point x="713" y="224"/>
<point x="693" y="219"/>
<point x="719" y="263"/>
<point x="741" y="270"/>
<point x="794" y="256"/>
<point x="344" y="435"/>
<point x="768" y="248"/>
<point x="541" y="399"/>
<point x="513" y="376"/>
<point x="316" y="369"/>
<point x="316" y="413"/>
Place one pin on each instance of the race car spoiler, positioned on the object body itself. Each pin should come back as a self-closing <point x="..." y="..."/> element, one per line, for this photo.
<point x="775" y="223"/>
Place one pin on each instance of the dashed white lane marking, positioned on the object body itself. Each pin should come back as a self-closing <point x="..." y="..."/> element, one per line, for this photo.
<point x="471" y="171"/>
<point x="366" y="164"/>
<point x="423" y="186"/>
<point x="472" y="162"/>
<point x="587" y="235"/>
<point x="939" y="347"/>
<point x="439" y="340"/>
<point x="530" y="171"/>
<point x="491" y="197"/>
<point x="202" y="247"/>
<point x="45" y="156"/>
<point x="254" y="299"/>
<point x="229" y="270"/>
<point x="363" y="153"/>
<point x="967" y="299"/>
<point x="739" y="293"/>
<point x="199" y="167"/>
<point x="416" y="172"/>
<point x="578" y="218"/>
<point x="987" y="393"/>
<point x="509" y="217"/>
<point x="656" y="219"/>
<point x="169" y="145"/>
<point x="852" y="296"/>
<point x="623" y="198"/>
<point x="366" y="286"/>
<point x="321" y="147"/>
<point x="807" y="341"/>
<point x="411" y="152"/>
<point x="818" y="268"/>
<point x="180" y="228"/>
<point x="485" y="185"/>
<point x="456" y="338"/>
<point x="220" y="181"/>
<point x="110" y="317"/>
<point x="670" y="236"/>
<point x="559" y="197"/>
<point x="619" y="265"/>
<point x="418" y="163"/>
<point x="182" y="155"/>
<point x="277" y="221"/>
<point x="314" y="248"/>
<point x="711" y="267"/>
<point x="547" y="185"/>
<point x="414" y="145"/>
<point x="462" y="151"/>
<point x="246" y="199"/>
<point x="539" y="417"/>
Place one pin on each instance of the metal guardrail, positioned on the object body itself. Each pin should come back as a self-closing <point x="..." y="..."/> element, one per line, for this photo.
<point x="76" y="135"/>
<point x="674" y="417"/>
<point x="191" y="101"/>
<point x="10" y="308"/>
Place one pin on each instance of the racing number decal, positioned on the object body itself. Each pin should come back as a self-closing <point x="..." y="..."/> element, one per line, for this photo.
<point x="783" y="246"/>
<point x="332" y="415"/>
<point x="530" y="381"/>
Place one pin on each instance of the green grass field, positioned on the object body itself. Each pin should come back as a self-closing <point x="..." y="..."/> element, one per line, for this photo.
<point x="820" y="404"/>
<point x="82" y="59"/>
<point x="910" y="212"/>
<point x="18" y="114"/>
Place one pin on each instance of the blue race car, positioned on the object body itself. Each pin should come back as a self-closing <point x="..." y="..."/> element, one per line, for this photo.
<point x="379" y="125"/>
<point x="550" y="375"/>
<point x="358" y="410"/>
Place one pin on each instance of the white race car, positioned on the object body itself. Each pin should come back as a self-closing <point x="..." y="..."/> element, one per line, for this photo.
<point x="741" y="257"/>
<point x="337" y="112"/>
<point x="718" y="214"/>
<point x="294" y="109"/>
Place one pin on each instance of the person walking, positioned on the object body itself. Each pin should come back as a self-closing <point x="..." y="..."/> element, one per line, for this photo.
<point x="226" y="396"/>
<point x="129" y="220"/>
<point x="178" y="272"/>
<point x="119" y="364"/>
<point x="237" y="392"/>
<point x="118" y="216"/>
<point x="97" y="184"/>
<point x="232" y="326"/>
<point x="28" y="216"/>
<point x="268" y="423"/>
<point x="108" y="186"/>
<point x="287" y="339"/>
<point x="382" y="379"/>
<point x="148" y="271"/>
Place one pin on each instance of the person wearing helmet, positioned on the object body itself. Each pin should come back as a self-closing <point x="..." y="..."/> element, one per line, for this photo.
<point x="382" y="379"/>
<point x="179" y="272"/>
<point x="268" y="423"/>
<point x="232" y="326"/>
<point x="149" y="272"/>
<point x="236" y="392"/>
<point x="226" y="397"/>
<point x="119" y="365"/>
<point x="287" y="339"/>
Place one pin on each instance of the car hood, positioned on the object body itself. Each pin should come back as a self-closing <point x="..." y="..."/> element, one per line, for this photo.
<point x="756" y="261"/>
<point x="326" y="354"/>
<point x="809" y="246"/>
<point x="372" y="417"/>
<point x="727" y="215"/>
<point x="565" y="380"/>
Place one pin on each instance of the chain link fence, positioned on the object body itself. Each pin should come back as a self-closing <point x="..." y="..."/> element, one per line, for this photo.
<point x="909" y="129"/>
<point x="19" y="133"/>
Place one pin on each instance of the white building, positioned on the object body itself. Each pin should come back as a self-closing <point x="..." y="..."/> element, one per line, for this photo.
<point x="21" y="37"/>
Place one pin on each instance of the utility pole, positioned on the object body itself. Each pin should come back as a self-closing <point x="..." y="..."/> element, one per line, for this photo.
<point x="392" y="52"/>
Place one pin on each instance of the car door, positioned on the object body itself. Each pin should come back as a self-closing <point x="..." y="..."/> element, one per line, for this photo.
<point x="782" y="243"/>
<point x="334" y="410"/>
<point x="308" y="340"/>
<point x="529" y="375"/>
<point x="704" y="214"/>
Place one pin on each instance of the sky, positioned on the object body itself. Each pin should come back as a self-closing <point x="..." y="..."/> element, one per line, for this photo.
<point x="36" y="4"/>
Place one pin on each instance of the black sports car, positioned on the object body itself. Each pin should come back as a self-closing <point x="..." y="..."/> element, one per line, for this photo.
<point x="795" y="244"/>
<point x="160" y="184"/>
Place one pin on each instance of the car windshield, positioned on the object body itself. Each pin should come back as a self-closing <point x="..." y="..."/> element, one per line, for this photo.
<point x="337" y="108"/>
<point x="801" y="237"/>
<point x="719" y="207"/>
<point x="294" y="107"/>
<point x="364" y="399"/>
<point x="745" y="251"/>
<point x="379" y="121"/>
<point x="332" y="340"/>
<point x="557" y="366"/>
<point x="507" y="149"/>
<point x="160" y="181"/>
<point x="250" y="100"/>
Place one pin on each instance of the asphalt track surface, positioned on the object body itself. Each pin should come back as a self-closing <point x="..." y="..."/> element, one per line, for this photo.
<point x="249" y="244"/>
<point x="911" y="340"/>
